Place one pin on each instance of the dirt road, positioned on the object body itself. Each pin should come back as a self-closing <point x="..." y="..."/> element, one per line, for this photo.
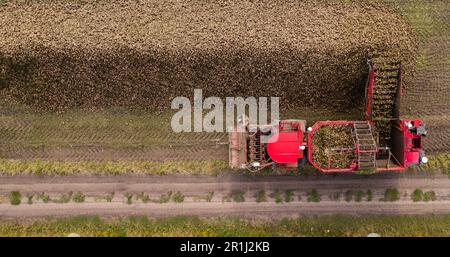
<point x="223" y="191"/>
<point x="270" y="210"/>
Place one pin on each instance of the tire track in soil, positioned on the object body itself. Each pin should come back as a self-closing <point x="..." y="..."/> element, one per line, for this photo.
<point x="438" y="137"/>
<point x="115" y="143"/>
<point x="427" y="97"/>
<point x="97" y="142"/>
<point x="102" y="153"/>
<point x="13" y="128"/>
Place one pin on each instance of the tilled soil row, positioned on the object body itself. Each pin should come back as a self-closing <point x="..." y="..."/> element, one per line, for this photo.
<point x="438" y="138"/>
<point x="177" y="152"/>
<point x="18" y="132"/>
<point x="140" y="55"/>
<point x="428" y="98"/>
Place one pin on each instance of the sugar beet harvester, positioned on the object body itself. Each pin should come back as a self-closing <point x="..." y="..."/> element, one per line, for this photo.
<point x="382" y="142"/>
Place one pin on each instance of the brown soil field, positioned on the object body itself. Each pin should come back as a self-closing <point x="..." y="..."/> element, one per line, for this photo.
<point x="138" y="55"/>
<point x="56" y="55"/>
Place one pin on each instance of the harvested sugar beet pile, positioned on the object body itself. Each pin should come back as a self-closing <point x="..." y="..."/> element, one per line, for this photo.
<point x="56" y="55"/>
<point x="333" y="142"/>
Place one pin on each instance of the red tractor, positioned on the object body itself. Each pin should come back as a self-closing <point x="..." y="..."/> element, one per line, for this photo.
<point x="382" y="142"/>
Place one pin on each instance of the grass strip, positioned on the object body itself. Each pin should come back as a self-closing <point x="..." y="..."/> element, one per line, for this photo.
<point x="417" y="226"/>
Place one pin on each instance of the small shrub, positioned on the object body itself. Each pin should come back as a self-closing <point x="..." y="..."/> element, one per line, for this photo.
<point x="288" y="196"/>
<point x="417" y="195"/>
<point x="164" y="198"/>
<point x="359" y="195"/>
<point x="144" y="197"/>
<point x="65" y="198"/>
<point x="109" y="197"/>
<point x="226" y="198"/>
<point x="178" y="197"/>
<point x="261" y="196"/>
<point x="209" y="196"/>
<point x="44" y="197"/>
<point x="391" y="195"/>
<point x="429" y="196"/>
<point x="336" y="196"/>
<point x="15" y="197"/>
<point x="78" y="197"/>
<point x="356" y="195"/>
<point x="238" y="196"/>
<point x="30" y="198"/>
<point x="314" y="196"/>
<point x="128" y="197"/>
<point x="348" y="195"/>
<point x="369" y="195"/>
<point x="277" y="196"/>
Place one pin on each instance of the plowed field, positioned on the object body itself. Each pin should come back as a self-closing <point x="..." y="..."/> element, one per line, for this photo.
<point x="60" y="57"/>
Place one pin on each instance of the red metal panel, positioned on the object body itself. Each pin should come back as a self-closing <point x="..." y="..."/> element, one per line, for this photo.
<point x="284" y="147"/>
<point x="411" y="148"/>
<point x="412" y="157"/>
<point x="413" y="142"/>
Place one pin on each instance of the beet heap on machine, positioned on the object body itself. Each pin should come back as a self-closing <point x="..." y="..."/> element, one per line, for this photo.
<point x="382" y="142"/>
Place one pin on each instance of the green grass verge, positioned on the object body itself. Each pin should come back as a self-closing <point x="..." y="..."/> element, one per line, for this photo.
<point x="193" y="226"/>
<point x="47" y="167"/>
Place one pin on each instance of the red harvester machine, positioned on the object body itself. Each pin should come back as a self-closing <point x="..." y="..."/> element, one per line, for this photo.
<point x="382" y="142"/>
